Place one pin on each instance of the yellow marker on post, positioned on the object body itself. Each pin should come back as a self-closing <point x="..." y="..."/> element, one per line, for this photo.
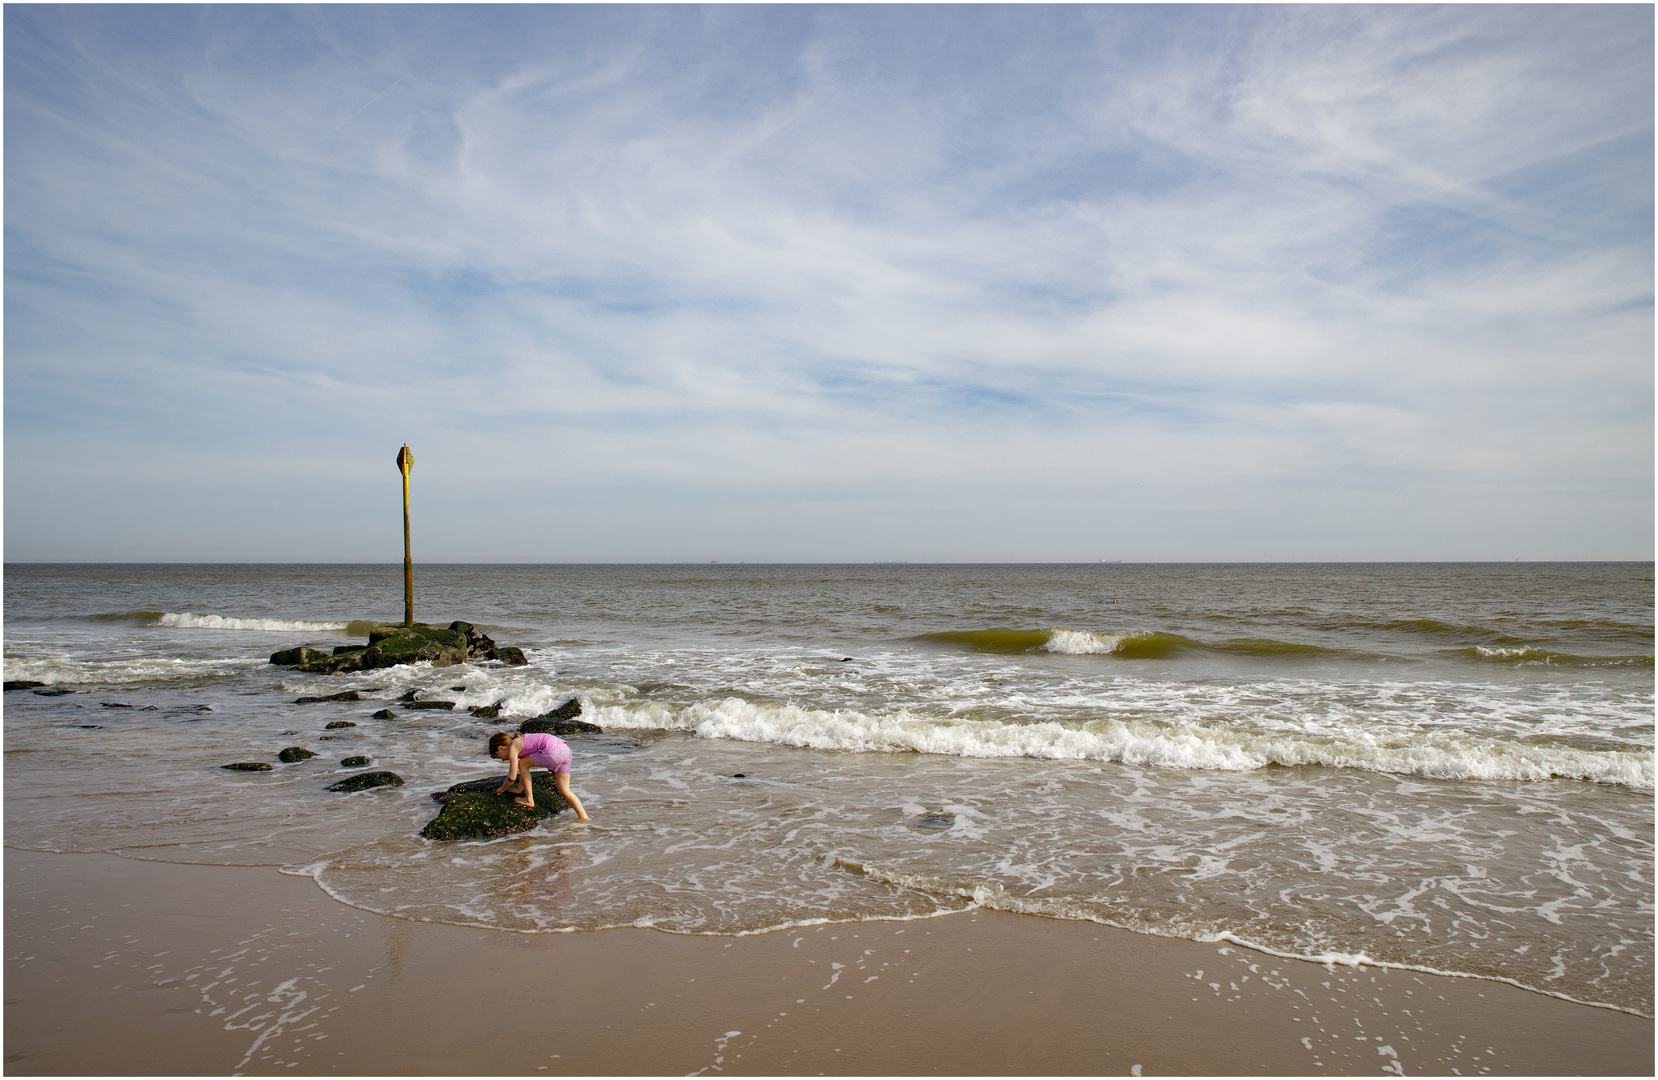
<point x="405" y="461"/>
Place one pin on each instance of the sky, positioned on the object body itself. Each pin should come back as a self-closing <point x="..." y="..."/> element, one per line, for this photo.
<point x="829" y="284"/>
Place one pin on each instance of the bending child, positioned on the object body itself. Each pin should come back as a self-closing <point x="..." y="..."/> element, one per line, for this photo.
<point x="520" y="752"/>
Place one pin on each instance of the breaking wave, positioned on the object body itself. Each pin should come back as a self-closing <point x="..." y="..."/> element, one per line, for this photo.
<point x="1138" y="645"/>
<point x="1435" y="754"/>
<point x="192" y="621"/>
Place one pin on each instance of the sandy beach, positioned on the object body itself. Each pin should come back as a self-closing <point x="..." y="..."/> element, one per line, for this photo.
<point x="119" y="966"/>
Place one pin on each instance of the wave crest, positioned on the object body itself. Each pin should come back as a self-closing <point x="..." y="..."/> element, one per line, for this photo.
<point x="1180" y="746"/>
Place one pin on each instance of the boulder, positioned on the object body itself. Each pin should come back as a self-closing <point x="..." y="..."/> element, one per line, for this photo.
<point x="248" y="766"/>
<point x="487" y="712"/>
<point x="446" y="706"/>
<point x="384" y="714"/>
<point x="356" y="761"/>
<point x="348" y="695"/>
<point x="22" y="684"/>
<point x="366" y="780"/>
<point x="292" y="754"/>
<point x="304" y="654"/>
<point x="561" y="721"/>
<point x="510" y="655"/>
<point x="472" y="810"/>
<point x="339" y="723"/>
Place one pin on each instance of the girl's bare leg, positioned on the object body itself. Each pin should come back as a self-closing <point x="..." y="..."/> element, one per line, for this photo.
<point x="526" y="792"/>
<point x="562" y="782"/>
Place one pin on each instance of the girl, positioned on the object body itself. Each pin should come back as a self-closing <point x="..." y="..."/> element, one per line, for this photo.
<point x="522" y="751"/>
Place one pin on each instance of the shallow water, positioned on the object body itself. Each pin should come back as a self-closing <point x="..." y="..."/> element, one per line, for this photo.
<point x="1447" y="767"/>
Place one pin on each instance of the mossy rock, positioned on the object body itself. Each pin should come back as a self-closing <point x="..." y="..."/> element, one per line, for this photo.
<point x="384" y="714"/>
<point x="356" y="761"/>
<point x="304" y="654"/>
<point x="248" y="766"/>
<point x="292" y="754"/>
<point x="339" y="723"/>
<point x="472" y="811"/>
<point x="364" y="781"/>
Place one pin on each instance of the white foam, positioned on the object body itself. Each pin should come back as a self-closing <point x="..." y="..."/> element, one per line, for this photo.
<point x="1082" y="642"/>
<point x="218" y="622"/>
<point x="1437" y="754"/>
<point x="53" y="671"/>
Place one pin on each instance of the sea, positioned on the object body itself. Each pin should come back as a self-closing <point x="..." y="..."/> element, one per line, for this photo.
<point x="1440" y="767"/>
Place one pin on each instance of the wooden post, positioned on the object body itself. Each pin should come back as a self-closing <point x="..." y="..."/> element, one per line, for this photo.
<point x="405" y="461"/>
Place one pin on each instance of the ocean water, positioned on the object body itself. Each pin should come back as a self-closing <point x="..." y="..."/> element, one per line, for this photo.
<point x="1444" y="767"/>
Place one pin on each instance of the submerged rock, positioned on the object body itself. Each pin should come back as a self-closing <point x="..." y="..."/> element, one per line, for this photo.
<point x="472" y="810"/>
<point x="356" y="761"/>
<point x="56" y="691"/>
<point x="248" y="766"/>
<point x="294" y="753"/>
<point x="339" y="724"/>
<point x="23" y="684"/>
<point x="384" y="714"/>
<point x="364" y="781"/>
<point x="347" y="695"/>
<point x="446" y="706"/>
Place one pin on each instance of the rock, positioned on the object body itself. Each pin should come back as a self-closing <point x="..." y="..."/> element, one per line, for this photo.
<point x="325" y="738"/>
<point x="408" y="695"/>
<point x="446" y="706"/>
<point x="355" y="762"/>
<point x="295" y="657"/>
<point x="339" y="723"/>
<point x="458" y="689"/>
<point x="22" y="684"/>
<point x="248" y="766"/>
<point x="472" y="810"/>
<point x="559" y="727"/>
<point x="293" y="754"/>
<point x="510" y="655"/>
<point x="348" y="695"/>
<point x="487" y="712"/>
<point x="561" y="722"/>
<point x="56" y="691"/>
<point x="364" y="781"/>
<point x="115" y="705"/>
<point x="384" y="714"/>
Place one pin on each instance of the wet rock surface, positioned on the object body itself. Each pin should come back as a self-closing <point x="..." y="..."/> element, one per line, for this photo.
<point x="472" y="810"/>
<point x="292" y="754"/>
<point x="560" y="721"/>
<point x="384" y="714"/>
<point x="348" y="695"/>
<point x="248" y="766"/>
<point x="339" y="724"/>
<point x="355" y="762"/>
<point x="22" y="684"/>
<point x="391" y="644"/>
<point x="364" y="781"/>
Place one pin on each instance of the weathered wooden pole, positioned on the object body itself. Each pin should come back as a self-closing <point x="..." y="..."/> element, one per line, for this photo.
<point x="405" y="461"/>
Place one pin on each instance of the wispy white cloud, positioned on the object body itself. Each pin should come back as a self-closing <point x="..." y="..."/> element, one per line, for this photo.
<point x="945" y="261"/>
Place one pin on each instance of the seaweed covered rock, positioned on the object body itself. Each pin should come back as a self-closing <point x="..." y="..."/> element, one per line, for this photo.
<point x="561" y="721"/>
<point x="356" y="761"/>
<point x="366" y="780"/>
<point x="248" y="766"/>
<point x="384" y="714"/>
<point x="291" y="754"/>
<point x="339" y="724"/>
<point x="444" y="706"/>
<point x="472" y="810"/>
<point x="346" y="695"/>
<point x="487" y="712"/>
<point x="304" y="654"/>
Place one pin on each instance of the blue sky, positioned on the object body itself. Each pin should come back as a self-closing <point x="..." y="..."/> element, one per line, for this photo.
<point x="829" y="283"/>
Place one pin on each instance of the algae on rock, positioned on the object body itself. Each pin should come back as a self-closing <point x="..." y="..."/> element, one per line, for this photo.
<point x="472" y="810"/>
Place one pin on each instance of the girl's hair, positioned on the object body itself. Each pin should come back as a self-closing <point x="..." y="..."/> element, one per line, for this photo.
<point x="498" y="741"/>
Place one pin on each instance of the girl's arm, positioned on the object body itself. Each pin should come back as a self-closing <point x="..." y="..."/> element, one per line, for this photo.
<point x="512" y="767"/>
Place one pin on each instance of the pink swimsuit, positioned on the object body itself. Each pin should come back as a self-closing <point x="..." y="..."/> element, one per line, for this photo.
<point x="548" y="751"/>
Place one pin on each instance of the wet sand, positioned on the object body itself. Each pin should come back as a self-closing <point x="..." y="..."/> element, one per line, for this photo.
<point x="117" y="966"/>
